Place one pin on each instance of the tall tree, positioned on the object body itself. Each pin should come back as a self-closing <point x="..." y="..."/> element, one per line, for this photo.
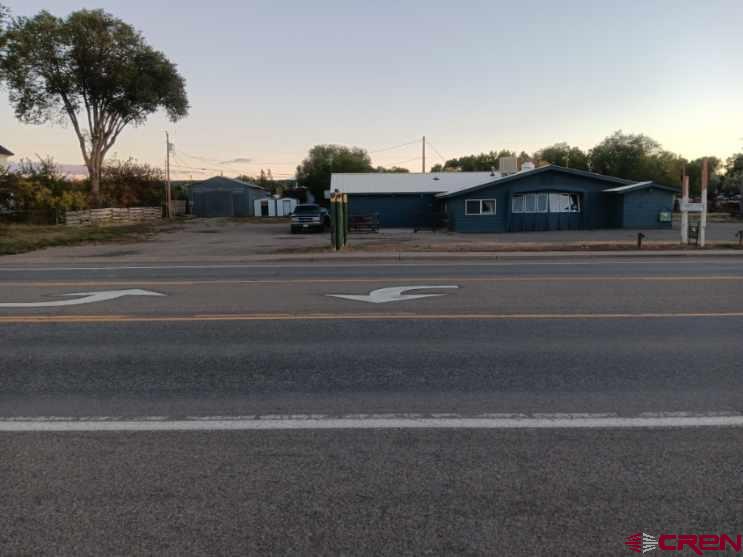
<point x="732" y="181"/>
<point x="93" y="69"/>
<point x="322" y="160"/>
<point x="694" y="171"/>
<point x="474" y="163"/>
<point x="393" y="170"/>
<point x="636" y="157"/>
<point x="563" y="154"/>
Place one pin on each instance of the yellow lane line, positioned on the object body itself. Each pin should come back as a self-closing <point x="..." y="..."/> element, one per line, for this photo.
<point x="14" y="319"/>
<point x="268" y="282"/>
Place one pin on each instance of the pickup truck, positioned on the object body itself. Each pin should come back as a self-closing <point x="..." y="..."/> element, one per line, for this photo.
<point x="309" y="217"/>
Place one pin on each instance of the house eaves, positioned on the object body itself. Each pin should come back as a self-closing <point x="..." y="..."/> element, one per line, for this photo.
<point x="640" y="186"/>
<point x="540" y="170"/>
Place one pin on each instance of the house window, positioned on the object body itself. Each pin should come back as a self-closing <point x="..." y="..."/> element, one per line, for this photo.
<point x="545" y="202"/>
<point x="564" y="203"/>
<point x="529" y="203"/>
<point x="541" y="202"/>
<point x="517" y="204"/>
<point x="479" y="207"/>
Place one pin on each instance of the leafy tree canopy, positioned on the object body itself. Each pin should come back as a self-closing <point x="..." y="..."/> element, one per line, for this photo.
<point x="563" y="154"/>
<point x="93" y="69"/>
<point x="636" y="157"/>
<point x="131" y="184"/>
<point x="322" y="160"/>
<point x="474" y="163"/>
<point x="392" y="169"/>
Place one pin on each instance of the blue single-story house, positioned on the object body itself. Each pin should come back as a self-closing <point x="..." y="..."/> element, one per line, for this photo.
<point x="535" y="199"/>
<point x="225" y="197"/>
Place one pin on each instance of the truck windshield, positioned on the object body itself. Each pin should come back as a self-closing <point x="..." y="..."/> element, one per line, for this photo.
<point x="306" y="210"/>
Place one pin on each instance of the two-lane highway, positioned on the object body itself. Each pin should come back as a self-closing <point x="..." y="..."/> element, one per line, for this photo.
<point x="247" y="409"/>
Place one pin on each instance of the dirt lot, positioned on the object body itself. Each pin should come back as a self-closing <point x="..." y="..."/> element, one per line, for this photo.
<point x="21" y="238"/>
<point x="231" y="239"/>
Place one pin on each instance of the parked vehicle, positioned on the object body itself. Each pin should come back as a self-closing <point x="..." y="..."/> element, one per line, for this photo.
<point x="309" y="217"/>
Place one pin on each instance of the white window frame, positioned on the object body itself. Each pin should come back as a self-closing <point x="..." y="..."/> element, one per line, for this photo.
<point x="535" y="196"/>
<point x="481" y="213"/>
<point x="569" y="196"/>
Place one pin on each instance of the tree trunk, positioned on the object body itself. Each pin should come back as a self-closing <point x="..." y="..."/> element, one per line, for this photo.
<point x="95" y="182"/>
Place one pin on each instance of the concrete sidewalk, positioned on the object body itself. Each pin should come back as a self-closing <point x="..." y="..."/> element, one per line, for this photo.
<point x="230" y="241"/>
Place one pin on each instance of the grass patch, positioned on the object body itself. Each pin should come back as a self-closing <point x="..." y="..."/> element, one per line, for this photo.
<point x="21" y="238"/>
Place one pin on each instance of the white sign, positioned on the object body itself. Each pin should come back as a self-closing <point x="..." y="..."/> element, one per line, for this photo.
<point x="392" y="294"/>
<point x="692" y="207"/>
<point x="89" y="298"/>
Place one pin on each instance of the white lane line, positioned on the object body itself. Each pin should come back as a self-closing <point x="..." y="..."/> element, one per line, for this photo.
<point x="370" y="421"/>
<point x="686" y="260"/>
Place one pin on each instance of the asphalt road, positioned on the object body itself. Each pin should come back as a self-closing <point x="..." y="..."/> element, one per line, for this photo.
<point x="627" y="338"/>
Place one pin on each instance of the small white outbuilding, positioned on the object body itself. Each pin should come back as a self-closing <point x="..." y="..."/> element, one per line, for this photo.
<point x="275" y="207"/>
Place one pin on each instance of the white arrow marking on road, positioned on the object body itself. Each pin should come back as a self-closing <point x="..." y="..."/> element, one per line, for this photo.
<point x="392" y="294"/>
<point x="89" y="298"/>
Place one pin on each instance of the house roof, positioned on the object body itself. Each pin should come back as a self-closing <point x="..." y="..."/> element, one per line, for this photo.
<point x="535" y="171"/>
<point x="5" y="152"/>
<point x="224" y="182"/>
<point x="639" y="186"/>
<point x="407" y="182"/>
<point x="451" y="184"/>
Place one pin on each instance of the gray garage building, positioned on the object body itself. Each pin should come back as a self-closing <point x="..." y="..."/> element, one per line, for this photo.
<point x="225" y="197"/>
<point x="534" y="199"/>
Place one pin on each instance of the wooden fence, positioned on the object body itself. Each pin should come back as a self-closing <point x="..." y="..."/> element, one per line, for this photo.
<point x="113" y="215"/>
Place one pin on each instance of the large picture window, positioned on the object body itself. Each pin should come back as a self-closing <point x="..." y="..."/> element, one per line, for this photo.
<point x="479" y="207"/>
<point x="545" y="202"/>
<point x="564" y="203"/>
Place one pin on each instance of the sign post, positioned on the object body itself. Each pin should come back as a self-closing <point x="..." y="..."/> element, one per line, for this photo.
<point x="703" y="219"/>
<point x="339" y="220"/>
<point x="685" y="209"/>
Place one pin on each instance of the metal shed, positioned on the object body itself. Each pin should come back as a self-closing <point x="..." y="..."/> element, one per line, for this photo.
<point x="225" y="197"/>
<point x="274" y="206"/>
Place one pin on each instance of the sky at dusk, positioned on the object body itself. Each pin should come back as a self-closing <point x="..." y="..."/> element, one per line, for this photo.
<point x="267" y="80"/>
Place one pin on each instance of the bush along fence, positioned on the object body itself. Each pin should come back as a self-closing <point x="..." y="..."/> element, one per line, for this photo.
<point x="113" y="215"/>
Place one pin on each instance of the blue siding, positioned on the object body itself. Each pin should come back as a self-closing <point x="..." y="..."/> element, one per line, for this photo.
<point x="461" y="222"/>
<point x="595" y="211"/>
<point x="599" y="208"/>
<point x="642" y="208"/>
<point x="395" y="210"/>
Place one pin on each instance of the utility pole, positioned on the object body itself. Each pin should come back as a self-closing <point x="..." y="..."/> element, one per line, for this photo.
<point x="684" y="208"/>
<point x="168" y="203"/>
<point x="703" y="218"/>
<point x="424" y="154"/>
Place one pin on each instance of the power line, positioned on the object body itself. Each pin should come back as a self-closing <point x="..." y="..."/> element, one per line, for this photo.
<point x="232" y="163"/>
<point x="408" y="160"/>
<point x="394" y="146"/>
<point x="437" y="152"/>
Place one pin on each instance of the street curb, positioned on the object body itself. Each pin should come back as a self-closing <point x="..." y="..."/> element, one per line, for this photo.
<point x="401" y="256"/>
<point x="371" y="257"/>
